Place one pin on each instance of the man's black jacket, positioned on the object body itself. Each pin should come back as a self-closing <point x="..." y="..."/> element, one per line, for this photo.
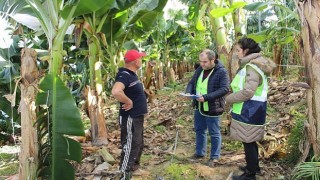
<point x="218" y="87"/>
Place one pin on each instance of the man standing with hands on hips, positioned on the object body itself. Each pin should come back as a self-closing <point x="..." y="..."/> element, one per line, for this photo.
<point x="128" y="90"/>
<point x="210" y="81"/>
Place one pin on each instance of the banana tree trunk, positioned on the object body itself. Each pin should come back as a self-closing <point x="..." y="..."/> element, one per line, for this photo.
<point x="171" y="76"/>
<point x="56" y="59"/>
<point x="149" y="82"/>
<point x="277" y="56"/>
<point x="238" y="18"/>
<point x="94" y="95"/>
<point x="97" y="120"/>
<point x="310" y="54"/>
<point x="220" y="36"/>
<point x="170" y="73"/>
<point x="233" y="62"/>
<point x="238" y="22"/>
<point x="181" y="69"/>
<point x="160" y="76"/>
<point x="174" y="67"/>
<point x="28" y="158"/>
<point x="149" y="74"/>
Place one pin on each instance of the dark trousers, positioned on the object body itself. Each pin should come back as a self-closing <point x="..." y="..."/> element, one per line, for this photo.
<point x="131" y="141"/>
<point x="251" y="156"/>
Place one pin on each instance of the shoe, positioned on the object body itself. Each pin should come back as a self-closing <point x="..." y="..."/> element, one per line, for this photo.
<point x="245" y="176"/>
<point x="140" y="172"/>
<point x="212" y="162"/>
<point x="196" y="156"/>
<point x="258" y="172"/>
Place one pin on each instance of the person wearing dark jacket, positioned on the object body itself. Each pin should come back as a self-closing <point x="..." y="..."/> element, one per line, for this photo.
<point x="128" y="90"/>
<point x="210" y="81"/>
<point x="249" y="103"/>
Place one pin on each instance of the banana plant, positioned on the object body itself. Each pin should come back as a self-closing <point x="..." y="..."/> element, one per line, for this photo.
<point x="9" y="72"/>
<point x="308" y="13"/>
<point x="283" y="34"/>
<point x="13" y="95"/>
<point x="172" y="39"/>
<point x="276" y="36"/>
<point x="9" y="113"/>
<point x="118" y="24"/>
<point x="130" y="24"/>
<point x="205" y="20"/>
<point x="61" y="117"/>
<point x="105" y="36"/>
<point x="53" y="125"/>
<point x="91" y="24"/>
<point x="58" y="116"/>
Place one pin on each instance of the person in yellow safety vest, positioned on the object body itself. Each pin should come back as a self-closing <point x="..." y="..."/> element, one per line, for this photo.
<point x="249" y="103"/>
<point x="211" y="83"/>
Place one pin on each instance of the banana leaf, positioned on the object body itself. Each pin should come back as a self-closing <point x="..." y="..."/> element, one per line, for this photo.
<point x="86" y="7"/>
<point x="137" y="23"/>
<point x="58" y="119"/>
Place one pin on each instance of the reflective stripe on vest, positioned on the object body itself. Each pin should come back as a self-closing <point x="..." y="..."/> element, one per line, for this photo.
<point x="202" y="88"/>
<point x="239" y="81"/>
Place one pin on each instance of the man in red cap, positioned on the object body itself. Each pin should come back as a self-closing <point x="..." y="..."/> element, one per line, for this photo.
<point x="128" y="90"/>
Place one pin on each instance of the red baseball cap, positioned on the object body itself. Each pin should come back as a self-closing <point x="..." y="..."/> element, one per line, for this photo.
<point x="132" y="55"/>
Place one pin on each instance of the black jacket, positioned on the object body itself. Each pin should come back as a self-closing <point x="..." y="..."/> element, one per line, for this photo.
<point x="218" y="87"/>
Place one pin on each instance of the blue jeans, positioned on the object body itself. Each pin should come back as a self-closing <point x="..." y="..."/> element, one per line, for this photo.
<point x="201" y="124"/>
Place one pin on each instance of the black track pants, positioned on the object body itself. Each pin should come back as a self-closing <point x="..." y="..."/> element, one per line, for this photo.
<point x="131" y="141"/>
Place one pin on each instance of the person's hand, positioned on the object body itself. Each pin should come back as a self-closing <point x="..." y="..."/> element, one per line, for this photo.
<point x="127" y="106"/>
<point x="200" y="99"/>
<point x="186" y="97"/>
